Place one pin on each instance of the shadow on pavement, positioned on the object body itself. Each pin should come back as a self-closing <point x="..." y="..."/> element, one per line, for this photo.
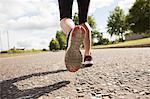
<point x="9" y="91"/>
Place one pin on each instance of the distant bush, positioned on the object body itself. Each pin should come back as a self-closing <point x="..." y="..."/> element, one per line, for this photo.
<point x="44" y="49"/>
<point x="4" y="51"/>
<point x="54" y="45"/>
<point x="16" y="51"/>
<point x="105" y="41"/>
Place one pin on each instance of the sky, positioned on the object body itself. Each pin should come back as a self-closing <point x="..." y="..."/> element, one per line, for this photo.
<point x="33" y="23"/>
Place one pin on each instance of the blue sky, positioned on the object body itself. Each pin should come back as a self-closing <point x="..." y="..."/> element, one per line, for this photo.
<point x="32" y="23"/>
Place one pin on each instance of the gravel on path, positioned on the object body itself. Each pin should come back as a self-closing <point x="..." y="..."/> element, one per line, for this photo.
<point x="116" y="74"/>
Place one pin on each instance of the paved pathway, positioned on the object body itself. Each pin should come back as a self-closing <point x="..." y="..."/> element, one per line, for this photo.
<point x="117" y="73"/>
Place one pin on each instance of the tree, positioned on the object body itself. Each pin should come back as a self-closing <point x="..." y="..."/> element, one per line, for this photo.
<point x="98" y="36"/>
<point x="139" y="17"/>
<point x="90" y="20"/>
<point x="116" y="23"/>
<point x="105" y="41"/>
<point x="54" y="45"/>
<point x="62" y="39"/>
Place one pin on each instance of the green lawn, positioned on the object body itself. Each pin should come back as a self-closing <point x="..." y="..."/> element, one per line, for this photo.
<point x="11" y="53"/>
<point x="126" y="43"/>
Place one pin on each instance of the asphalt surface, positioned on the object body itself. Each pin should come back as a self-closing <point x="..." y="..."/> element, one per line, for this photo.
<point x="116" y="74"/>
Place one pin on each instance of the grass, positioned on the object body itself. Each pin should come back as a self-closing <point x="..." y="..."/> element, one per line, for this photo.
<point x="126" y="43"/>
<point x="10" y="53"/>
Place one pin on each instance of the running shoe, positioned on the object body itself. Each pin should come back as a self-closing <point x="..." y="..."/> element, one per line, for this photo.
<point x="73" y="56"/>
<point x="88" y="61"/>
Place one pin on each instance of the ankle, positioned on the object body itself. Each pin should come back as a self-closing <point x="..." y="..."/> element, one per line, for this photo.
<point x="87" y="54"/>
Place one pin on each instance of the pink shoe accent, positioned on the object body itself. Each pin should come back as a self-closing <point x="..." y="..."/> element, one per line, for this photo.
<point x="83" y="29"/>
<point x="74" y="69"/>
<point x="74" y="34"/>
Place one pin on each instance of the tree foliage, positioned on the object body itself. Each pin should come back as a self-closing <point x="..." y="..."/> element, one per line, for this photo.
<point x="76" y="19"/>
<point x="98" y="36"/>
<point x="139" y="17"/>
<point x="54" y="45"/>
<point x="91" y="21"/>
<point x="116" y="23"/>
<point x="62" y="39"/>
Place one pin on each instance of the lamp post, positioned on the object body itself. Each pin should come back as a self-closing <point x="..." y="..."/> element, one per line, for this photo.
<point x="1" y="42"/>
<point x="8" y="40"/>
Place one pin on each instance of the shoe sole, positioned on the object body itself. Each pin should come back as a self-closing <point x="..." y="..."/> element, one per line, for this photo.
<point x="86" y="65"/>
<point x="73" y="56"/>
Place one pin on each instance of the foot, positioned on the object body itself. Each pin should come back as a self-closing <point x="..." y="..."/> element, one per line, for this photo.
<point x="73" y="56"/>
<point x="88" y="61"/>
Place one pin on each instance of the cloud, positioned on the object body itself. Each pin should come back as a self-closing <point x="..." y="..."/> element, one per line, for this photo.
<point x="94" y="4"/>
<point x="28" y="15"/>
<point x="126" y="4"/>
<point x="34" y="22"/>
<point x="99" y="4"/>
<point x="36" y="14"/>
<point x="33" y="42"/>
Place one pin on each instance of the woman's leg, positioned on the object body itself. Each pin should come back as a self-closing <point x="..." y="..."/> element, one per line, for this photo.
<point x="87" y="38"/>
<point x="73" y="56"/>
<point x="66" y="23"/>
<point x="83" y="6"/>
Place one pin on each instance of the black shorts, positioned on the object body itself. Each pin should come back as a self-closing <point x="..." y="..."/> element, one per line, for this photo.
<point x="65" y="7"/>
